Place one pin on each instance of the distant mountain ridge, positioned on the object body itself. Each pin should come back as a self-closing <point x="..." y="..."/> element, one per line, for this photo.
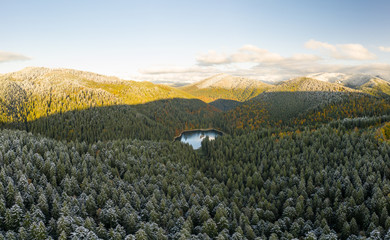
<point x="352" y="80"/>
<point x="224" y="86"/>
<point x="61" y="90"/>
<point x="367" y="83"/>
<point x="227" y="81"/>
<point x="46" y="80"/>
<point x="305" y="84"/>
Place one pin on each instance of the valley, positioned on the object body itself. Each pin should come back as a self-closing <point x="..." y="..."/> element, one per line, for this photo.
<point x="195" y="120"/>
<point x="84" y="154"/>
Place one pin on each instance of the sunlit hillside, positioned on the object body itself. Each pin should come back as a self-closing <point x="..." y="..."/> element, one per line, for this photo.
<point x="51" y="91"/>
<point x="224" y="86"/>
<point x="373" y="85"/>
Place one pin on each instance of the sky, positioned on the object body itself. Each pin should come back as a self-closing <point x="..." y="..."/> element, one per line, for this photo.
<point x="185" y="41"/>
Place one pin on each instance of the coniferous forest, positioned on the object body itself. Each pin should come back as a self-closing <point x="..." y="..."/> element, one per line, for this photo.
<point x="91" y="163"/>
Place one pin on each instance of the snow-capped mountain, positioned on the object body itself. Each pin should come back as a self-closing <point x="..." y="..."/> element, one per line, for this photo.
<point x="350" y="80"/>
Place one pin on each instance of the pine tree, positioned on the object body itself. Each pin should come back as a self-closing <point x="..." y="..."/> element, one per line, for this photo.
<point x="249" y="233"/>
<point x="43" y="205"/>
<point x="10" y="235"/>
<point x="23" y="234"/>
<point x="38" y="231"/>
<point x="13" y="217"/>
<point x="346" y="231"/>
<point x="141" y="235"/>
<point x="354" y="227"/>
<point x="62" y="236"/>
<point x="210" y="228"/>
<point x="83" y="233"/>
<point x="311" y="236"/>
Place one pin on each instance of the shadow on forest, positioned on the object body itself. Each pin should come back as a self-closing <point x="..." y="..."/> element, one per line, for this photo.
<point x="285" y="109"/>
<point x="163" y="119"/>
<point x="225" y="104"/>
<point x="156" y="120"/>
<point x="286" y="105"/>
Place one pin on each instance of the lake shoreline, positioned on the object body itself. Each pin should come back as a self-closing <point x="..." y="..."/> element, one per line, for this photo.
<point x="176" y="138"/>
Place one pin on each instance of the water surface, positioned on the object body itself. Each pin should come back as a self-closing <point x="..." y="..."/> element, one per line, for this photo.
<point x="195" y="137"/>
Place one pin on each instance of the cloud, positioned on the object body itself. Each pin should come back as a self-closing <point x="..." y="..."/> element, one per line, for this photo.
<point x="384" y="49"/>
<point x="10" y="56"/>
<point x="283" y="72"/>
<point x="250" y="54"/>
<point x="212" y="57"/>
<point x="170" y="69"/>
<point x="174" y="74"/>
<point x="380" y="69"/>
<point x="269" y="72"/>
<point x="261" y="64"/>
<point x="313" y="44"/>
<point x="352" y="51"/>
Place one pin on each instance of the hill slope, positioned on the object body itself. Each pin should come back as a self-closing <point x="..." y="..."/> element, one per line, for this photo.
<point x="377" y="87"/>
<point x="224" y="86"/>
<point x="286" y="101"/>
<point x="53" y="91"/>
<point x="373" y="85"/>
<point x="304" y="84"/>
<point x="297" y="95"/>
<point x="162" y="119"/>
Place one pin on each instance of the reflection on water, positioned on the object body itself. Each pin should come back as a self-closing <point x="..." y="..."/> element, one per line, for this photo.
<point x="195" y="138"/>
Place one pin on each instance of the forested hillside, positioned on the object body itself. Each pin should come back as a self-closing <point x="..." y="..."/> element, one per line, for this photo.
<point x="374" y="85"/>
<point x="43" y="92"/>
<point x="156" y="120"/>
<point x="224" y="104"/>
<point x="304" y="160"/>
<point x="305" y="101"/>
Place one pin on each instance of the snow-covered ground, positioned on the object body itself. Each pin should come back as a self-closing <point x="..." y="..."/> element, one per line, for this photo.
<point x="351" y="80"/>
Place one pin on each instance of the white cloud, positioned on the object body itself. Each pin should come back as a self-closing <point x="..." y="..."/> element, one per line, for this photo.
<point x="250" y="54"/>
<point x="10" y="56"/>
<point x="352" y="51"/>
<point x="212" y="57"/>
<point x="257" y="63"/>
<point x="171" y="69"/>
<point x="283" y="72"/>
<point x="313" y="44"/>
<point x="175" y="74"/>
<point x="384" y="49"/>
<point x="304" y="57"/>
<point x="269" y="72"/>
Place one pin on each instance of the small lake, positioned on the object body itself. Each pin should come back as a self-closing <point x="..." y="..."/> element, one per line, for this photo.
<point x="195" y="137"/>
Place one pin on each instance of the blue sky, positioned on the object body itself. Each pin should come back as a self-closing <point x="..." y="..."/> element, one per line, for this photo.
<point x="189" y="40"/>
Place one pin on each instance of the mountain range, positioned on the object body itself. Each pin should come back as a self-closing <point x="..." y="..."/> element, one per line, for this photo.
<point x="364" y="82"/>
<point x="224" y="86"/>
<point x="307" y="158"/>
<point x="61" y="90"/>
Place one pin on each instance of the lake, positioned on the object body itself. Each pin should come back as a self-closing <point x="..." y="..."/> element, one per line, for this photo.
<point x="195" y="137"/>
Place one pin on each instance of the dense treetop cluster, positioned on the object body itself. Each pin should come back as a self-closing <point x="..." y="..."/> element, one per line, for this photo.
<point x="327" y="183"/>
